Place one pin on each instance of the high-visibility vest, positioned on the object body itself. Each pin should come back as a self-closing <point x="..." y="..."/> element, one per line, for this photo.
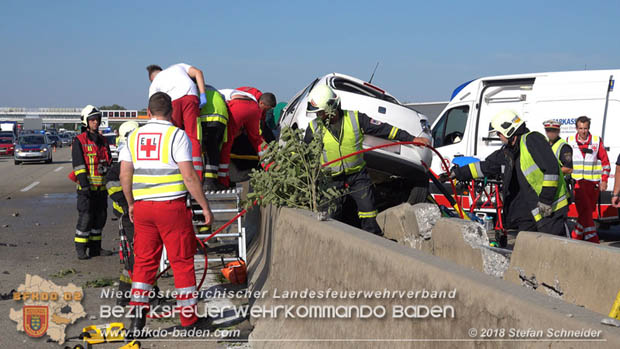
<point x="557" y="147"/>
<point x="588" y="167"/>
<point x="96" y="160"/>
<point x="214" y="111"/>
<point x="151" y="181"/>
<point x="537" y="179"/>
<point x="351" y="139"/>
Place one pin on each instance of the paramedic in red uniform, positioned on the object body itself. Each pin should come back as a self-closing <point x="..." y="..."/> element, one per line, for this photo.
<point x="590" y="176"/>
<point x="246" y="106"/>
<point x="186" y="86"/>
<point x="156" y="174"/>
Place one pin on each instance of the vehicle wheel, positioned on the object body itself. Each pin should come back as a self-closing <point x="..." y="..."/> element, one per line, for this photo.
<point x="17" y="162"/>
<point x="418" y="194"/>
<point x="49" y="161"/>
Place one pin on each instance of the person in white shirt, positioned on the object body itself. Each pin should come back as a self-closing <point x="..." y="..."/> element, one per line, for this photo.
<point x="156" y="175"/>
<point x="185" y="86"/>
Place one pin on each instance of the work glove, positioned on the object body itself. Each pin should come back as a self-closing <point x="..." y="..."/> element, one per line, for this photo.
<point x="203" y="100"/>
<point x="544" y="209"/>
<point x="444" y="177"/>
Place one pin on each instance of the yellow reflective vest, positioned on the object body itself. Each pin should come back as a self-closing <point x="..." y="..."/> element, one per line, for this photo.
<point x="586" y="167"/>
<point x="350" y="141"/>
<point x="537" y="179"/>
<point x="149" y="150"/>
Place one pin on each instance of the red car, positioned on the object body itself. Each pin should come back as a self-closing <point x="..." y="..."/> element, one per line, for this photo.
<point x="7" y="147"/>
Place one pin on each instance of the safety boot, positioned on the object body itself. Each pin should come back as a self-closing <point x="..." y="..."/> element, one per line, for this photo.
<point x="138" y="321"/>
<point x="203" y="323"/>
<point x="81" y="251"/>
<point x="211" y="184"/>
<point x="94" y="249"/>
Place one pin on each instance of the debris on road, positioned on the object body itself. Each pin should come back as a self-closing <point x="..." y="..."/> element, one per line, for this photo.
<point x="64" y="273"/>
<point x="5" y="296"/>
<point x="97" y="283"/>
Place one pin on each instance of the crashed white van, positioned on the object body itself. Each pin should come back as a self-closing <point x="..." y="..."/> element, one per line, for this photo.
<point x="355" y="94"/>
<point x="463" y="127"/>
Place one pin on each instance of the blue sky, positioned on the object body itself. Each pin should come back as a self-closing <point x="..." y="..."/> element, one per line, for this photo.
<point x="73" y="53"/>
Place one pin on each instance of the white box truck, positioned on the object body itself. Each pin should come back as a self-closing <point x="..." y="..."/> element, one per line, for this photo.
<point x="463" y="127"/>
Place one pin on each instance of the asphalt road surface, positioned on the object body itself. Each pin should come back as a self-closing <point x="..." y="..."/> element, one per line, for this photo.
<point x="37" y="224"/>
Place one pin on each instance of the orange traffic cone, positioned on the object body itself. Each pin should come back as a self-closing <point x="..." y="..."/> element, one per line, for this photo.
<point x="54" y="148"/>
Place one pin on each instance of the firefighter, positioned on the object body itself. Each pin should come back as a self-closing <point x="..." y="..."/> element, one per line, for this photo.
<point x="245" y="114"/>
<point x="91" y="158"/>
<point x="562" y="150"/>
<point x="120" y="210"/>
<point x="590" y="177"/>
<point x="535" y="196"/>
<point x="343" y="133"/>
<point x="186" y="86"/>
<point x="156" y="175"/>
<point x="213" y="124"/>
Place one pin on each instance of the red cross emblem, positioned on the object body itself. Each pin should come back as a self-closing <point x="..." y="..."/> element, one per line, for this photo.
<point x="148" y="146"/>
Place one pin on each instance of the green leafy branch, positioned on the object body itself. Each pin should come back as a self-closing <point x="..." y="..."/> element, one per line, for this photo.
<point x="296" y="177"/>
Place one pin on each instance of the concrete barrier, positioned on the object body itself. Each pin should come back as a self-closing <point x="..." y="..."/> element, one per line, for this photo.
<point x="295" y="252"/>
<point x="578" y="272"/>
<point x="421" y="227"/>
<point x="405" y="224"/>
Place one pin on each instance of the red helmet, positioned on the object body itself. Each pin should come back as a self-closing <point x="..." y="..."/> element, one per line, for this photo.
<point x="552" y="124"/>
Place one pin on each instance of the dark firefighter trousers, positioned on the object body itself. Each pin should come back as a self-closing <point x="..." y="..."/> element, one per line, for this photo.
<point x="92" y="214"/>
<point x="212" y="137"/>
<point x="359" y="187"/>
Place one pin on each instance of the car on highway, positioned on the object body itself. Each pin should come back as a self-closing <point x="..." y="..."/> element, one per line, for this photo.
<point x="7" y="145"/>
<point x="111" y="138"/>
<point x="32" y="148"/>
<point x="54" y="141"/>
<point x="65" y="139"/>
<point x="404" y="162"/>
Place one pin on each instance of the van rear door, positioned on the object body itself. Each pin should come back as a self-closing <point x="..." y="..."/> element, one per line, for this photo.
<point x="496" y="96"/>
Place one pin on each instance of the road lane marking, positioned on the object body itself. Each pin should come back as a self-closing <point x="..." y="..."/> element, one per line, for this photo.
<point x="58" y="169"/>
<point x="30" y="186"/>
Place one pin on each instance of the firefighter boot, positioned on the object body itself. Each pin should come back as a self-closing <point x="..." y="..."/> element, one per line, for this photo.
<point x="94" y="249"/>
<point x="212" y="184"/>
<point x="81" y="250"/>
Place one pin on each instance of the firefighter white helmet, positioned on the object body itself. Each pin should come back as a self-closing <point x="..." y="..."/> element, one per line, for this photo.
<point x="323" y="98"/>
<point x="506" y="122"/>
<point x="88" y="112"/>
<point x="125" y="129"/>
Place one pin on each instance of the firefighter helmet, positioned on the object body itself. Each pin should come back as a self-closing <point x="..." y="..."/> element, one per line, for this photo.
<point x="506" y="122"/>
<point x="125" y="129"/>
<point x="89" y="112"/>
<point x="323" y="98"/>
